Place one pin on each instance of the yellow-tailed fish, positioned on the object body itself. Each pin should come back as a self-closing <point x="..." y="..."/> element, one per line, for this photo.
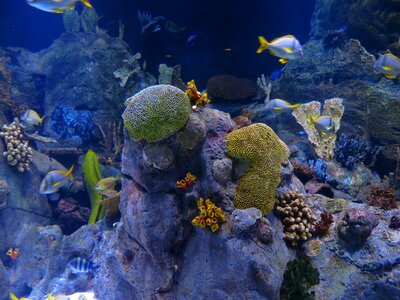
<point x="106" y="183"/>
<point x="51" y="297"/>
<point x="13" y="297"/>
<point x="32" y="118"/>
<point x="324" y="124"/>
<point x="286" y="47"/>
<point x="56" y="6"/>
<point x="281" y="105"/>
<point x="54" y="180"/>
<point x="389" y="65"/>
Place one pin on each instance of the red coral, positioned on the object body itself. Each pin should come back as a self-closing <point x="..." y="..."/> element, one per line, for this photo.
<point x="383" y="198"/>
<point x="228" y="87"/>
<point x="322" y="226"/>
<point x="304" y="172"/>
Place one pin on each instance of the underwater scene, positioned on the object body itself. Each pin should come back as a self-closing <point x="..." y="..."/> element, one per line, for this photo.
<point x="201" y="149"/>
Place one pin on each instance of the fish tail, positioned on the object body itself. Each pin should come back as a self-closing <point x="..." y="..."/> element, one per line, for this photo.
<point x="87" y="3"/>
<point x="263" y="44"/>
<point x="294" y="106"/>
<point x="69" y="173"/>
<point x="311" y="120"/>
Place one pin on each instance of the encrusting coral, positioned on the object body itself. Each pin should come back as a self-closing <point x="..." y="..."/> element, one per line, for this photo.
<point x="324" y="144"/>
<point x="264" y="151"/>
<point x="18" y="152"/>
<point x="210" y="215"/>
<point x="297" y="218"/>
<point x="156" y="112"/>
<point x="383" y="198"/>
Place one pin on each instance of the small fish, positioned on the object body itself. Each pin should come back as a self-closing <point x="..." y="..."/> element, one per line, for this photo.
<point x="324" y="124"/>
<point x="191" y="39"/>
<point x="13" y="253"/>
<point x="31" y="118"/>
<point x="13" y="297"/>
<point x="54" y="180"/>
<point x="389" y="65"/>
<point x="168" y="55"/>
<point x="56" y="6"/>
<point x="81" y="265"/>
<point x="301" y="132"/>
<point x="281" y="105"/>
<point x="228" y="49"/>
<point x="286" y="47"/>
<point x="106" y="183"/>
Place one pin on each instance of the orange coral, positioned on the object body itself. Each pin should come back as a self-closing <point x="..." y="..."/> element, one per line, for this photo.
<point x="188" y="180"/>
<point x="196" y="98"/>
<point x="210" y="215"/>
<point x="13" y="253"/>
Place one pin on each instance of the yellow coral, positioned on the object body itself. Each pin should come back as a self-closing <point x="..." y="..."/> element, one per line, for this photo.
<point x="210" y="215"/>
<point x="196" y="98"/>
<point x="188" y="180"/>
<point x="264" y="151"/>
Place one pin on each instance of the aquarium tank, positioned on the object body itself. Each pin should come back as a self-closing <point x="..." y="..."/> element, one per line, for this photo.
<point x="200" y="149"/>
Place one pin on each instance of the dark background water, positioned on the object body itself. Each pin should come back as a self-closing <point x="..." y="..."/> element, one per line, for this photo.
<point x="219" y="24"/>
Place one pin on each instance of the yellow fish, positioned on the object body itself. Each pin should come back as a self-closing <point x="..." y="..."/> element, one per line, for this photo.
<point x="13" y="297"/>
<point x="31" y="117"/>
<point x="281" y="105"/>
<point x="324" y="124"/>
<point x="54" y="180"/>
<point x="389" y="65"/>
<point x="286" y="47"/>
<point x="106" y="183"/>
<point x="56" y="6"/>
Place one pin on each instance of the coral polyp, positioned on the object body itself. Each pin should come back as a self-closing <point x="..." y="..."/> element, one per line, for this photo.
<point x="210" y="215"/>
<point x="196" y="98"/>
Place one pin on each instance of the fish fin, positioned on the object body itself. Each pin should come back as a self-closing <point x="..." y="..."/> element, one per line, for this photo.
<point x="56" y="183"/>
<point x="69" y="173"/>
<point x="389" y="76"/>
<point x="392" y="55"/>
<point x="57" y="11"/>
<point x="282" y="37"/>
<point x="295" y="105"/>
<point x="288" y="50"/>
<point x="13" y="297"/>
<point x="263" y="44"/>
<point x="283" y="60"/>
<point x="311" y="120"/>
<point x="277" y="108"/>
<point x="87" y="3"/>
<point x="387" y="68"/>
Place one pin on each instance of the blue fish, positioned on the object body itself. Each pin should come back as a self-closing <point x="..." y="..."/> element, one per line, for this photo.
<point x="191" y="39"/>
<point x="275" y="75"/>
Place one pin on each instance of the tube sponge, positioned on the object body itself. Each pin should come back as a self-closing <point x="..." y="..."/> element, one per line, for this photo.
<point x="156" y="112"/>
<point x="264" y="151"/>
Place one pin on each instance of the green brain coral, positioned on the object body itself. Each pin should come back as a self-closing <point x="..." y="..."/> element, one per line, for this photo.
<point x="156" y="112"/>
<point x="264" y="151"/>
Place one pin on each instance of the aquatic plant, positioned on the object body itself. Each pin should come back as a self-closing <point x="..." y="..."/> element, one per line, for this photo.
<point x="299" y="276"/>
<point x="324" y="144"/>
<point x="383" y="198"/>
<point x="156" y="112"/>
<point x="92" y="175"/>
<point x="210" y="215"/>
<point x="323" y="225"/>
<point x="18" y="152"/>
<point x="196" y="98"/>
<point x="297" y="218"/>
<point x="264" y="151"/>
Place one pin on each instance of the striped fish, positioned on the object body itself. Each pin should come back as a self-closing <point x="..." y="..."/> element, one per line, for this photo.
<point x="80" y="265"/>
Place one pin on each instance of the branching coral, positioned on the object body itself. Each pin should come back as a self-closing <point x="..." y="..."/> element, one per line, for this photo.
<point x="156" y="113"/>
<point x="264" y="151"/>
<point x="132" y="67"/>
<point x="210" y="215"/>
<point x="383" y="198"/>
<point x="197" y="98"/>
<point x="297" y="218"/>
<point x="18" y="153"/>
<point x="324" y="144"/>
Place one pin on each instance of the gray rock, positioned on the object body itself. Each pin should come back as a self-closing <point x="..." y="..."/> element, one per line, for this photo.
<point x="193" y="133"/>
<point x="158" y="156"/>
<point x="4" y="192"/>
<point x="4" y="281"/>
<point x="243" y="219"/>
<point x="222" y="170"/>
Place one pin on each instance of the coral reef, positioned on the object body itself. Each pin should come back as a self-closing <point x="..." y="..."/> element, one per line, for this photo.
<point x="383" y="198"/>
<point x="261" y="148"/>
<point x="70" y="216"/>
<point x="187" y="181"/>
<point x="131" y="67"/>
<point x="165" y="74"/>
<point x="303" y="171"/>
<point x="156" y="113"/>
<point x="351" y="150"/>
<point x="241" y="121"/>
<point x="299" y="276"/>
<point x="228" y="87"/>
<point x="91" y="176"/>
<point x="323" y="225"/>
<point x="18" y="152"/>
<point x="196" y="98"/>
<point x="356" y="226"/>
<point x="67" y="122"/>
<point x="71" y="20"/>
<point x="324" y="144"/>
<point x="112" y="138"/>
<point x="210" y="215"/>
<point x="297" y="218"/>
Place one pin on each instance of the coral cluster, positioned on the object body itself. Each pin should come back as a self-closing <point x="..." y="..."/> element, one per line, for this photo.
<point x="383" y="198"/>
<point x="297" y="217"/>
<point x="228" y="87"/>
<point x="323" y="225"/>
<point x="210" y="215"/>
<point x="351" y="150"/>
<point x="185" y="182"/>
<point x="197" y="98"/>
<point x="156" y="112"/>
<point x="18" y="152"/>
<point x="303" y="171"/>
<point x="131" y="67"/>
<point x="324" y="144"/>
<point x="259" y="146"/>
